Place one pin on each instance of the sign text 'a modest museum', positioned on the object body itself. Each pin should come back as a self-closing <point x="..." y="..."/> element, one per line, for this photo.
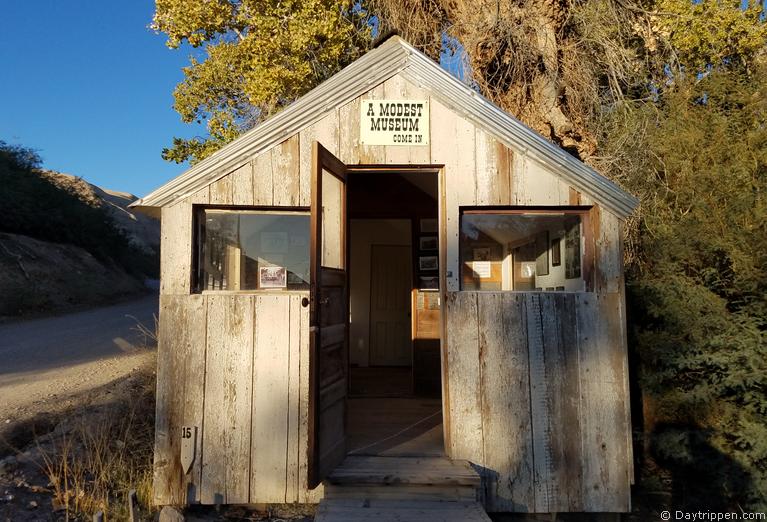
<point x="394" y="122"/>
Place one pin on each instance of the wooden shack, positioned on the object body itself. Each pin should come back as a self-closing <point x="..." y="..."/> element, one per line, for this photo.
<point x="393" y="289"/>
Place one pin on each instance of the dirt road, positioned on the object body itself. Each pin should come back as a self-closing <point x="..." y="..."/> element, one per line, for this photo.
<point x="44" y="363"/>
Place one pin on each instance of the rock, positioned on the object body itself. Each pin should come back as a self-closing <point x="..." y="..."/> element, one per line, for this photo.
<point x="170" y="514"/>
<point x="56" y="505"/>
<point x="32" y="504"/>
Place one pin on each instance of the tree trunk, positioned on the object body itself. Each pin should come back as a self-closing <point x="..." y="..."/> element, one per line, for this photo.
<point x="515" y="54"/>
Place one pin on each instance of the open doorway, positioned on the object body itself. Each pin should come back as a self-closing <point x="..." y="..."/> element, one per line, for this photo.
<point x="394" y="405"/>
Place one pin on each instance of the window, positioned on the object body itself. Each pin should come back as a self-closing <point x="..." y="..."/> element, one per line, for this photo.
<point x="332" y="221"/>
<point x="252" y="250"/>
<point x="518" y="250"/>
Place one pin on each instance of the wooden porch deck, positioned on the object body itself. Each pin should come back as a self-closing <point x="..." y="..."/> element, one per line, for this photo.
<point x="395" y="427"/>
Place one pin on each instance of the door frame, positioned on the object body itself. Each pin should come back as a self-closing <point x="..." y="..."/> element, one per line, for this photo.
<point x="439" y="170"/>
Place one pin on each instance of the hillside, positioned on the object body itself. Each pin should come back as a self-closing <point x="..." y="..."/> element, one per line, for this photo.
<point x="142" y="231"/>
<point x="65" y="242"/>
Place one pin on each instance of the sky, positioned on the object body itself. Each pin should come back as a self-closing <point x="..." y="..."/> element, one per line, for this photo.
<point x="89" y="86"/>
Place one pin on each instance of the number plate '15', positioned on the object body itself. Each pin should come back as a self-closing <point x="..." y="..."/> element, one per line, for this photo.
<point x="188" y="447"/>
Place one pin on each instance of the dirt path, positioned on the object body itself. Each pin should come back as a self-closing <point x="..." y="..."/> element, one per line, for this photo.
<point x="45" y="363"/>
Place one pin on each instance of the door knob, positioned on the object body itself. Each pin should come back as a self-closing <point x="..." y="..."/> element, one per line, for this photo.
<point x="305" y="302"/>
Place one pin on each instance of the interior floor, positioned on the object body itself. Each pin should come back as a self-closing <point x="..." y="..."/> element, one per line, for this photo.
<point x="395" y="427"/>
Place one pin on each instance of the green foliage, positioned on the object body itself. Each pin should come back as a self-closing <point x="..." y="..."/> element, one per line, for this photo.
<point x="699" y="286"/>
<point x="18" y="157"/>
<point x="32" y="205"/>
<point x="712" y="32"/>
<point x="261" y="55"/>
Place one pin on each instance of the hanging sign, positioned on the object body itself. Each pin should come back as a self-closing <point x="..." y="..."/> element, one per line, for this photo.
<point x="394" y="122"/>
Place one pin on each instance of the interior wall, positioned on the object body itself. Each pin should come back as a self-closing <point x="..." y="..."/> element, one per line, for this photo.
<point x="556" y="276"/>
<point x="363" y="234"/>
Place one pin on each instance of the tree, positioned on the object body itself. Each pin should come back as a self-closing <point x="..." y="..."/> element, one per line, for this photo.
<point x="18" y="157"/>
<point x="551" y="63"/>
<point x="707" y="33"/>
<point x="696" y="154"/>
<point x="260" y="56"/>
<point x="699" y="285"/>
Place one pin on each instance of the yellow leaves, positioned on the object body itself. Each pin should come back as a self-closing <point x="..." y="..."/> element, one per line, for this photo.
<point x="193" y="20"/>
<point x="711" y="32"/>
<point x="261" y="55"/>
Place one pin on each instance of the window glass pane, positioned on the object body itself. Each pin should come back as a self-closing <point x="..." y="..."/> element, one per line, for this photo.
<point x="253" y="250"/>
<point x="332" y="221"/>
<point x="521" y="252"/>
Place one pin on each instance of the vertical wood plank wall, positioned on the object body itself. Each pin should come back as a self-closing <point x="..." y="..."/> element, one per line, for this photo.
<point x="235" y="366"/>
<point x="551" y="433"/>
<point x="538" y="402"/>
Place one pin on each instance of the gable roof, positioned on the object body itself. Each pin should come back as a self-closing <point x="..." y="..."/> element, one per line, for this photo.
<point x="394" y="56"/>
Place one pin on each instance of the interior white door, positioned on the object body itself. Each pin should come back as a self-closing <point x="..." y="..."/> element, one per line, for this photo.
<point x="390" y="286"/>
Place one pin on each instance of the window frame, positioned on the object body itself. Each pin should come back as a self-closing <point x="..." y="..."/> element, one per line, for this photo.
<point x="198" y="235"/>
<point x="588" y="233"/>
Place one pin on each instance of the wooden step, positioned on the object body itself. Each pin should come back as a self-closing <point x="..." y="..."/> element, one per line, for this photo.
<point x="402" y="471"/>
<point x="401" y="492"/>
<point x="399" y="511"/>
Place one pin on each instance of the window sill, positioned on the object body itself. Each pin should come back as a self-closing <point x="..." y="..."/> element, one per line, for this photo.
<point x="525" y="291"/>
<point x="252" y="292"/>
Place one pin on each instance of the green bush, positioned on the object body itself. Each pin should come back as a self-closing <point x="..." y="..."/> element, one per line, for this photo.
<point x="33" y="206"/>
<point x="698" y="286"/>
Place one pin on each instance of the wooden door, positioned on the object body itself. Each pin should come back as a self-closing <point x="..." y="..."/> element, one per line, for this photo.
<point x="329" y="316"/>
<point x="390" y="285"/>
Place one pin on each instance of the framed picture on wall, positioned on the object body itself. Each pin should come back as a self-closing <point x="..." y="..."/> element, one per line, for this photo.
<point x="272" y="277"/>
<point x="428" y="243"/>
<point x="556" y="251"/>
<point x="573" y="249"/>
<point x="482" y="269"/>
<point x="481" y="254"/>
<point x="428" y="282"/>
<point x="542" y="249"/>
<point x="427" y="263"/>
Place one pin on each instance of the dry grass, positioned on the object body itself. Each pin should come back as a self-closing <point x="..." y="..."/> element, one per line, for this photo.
<point x="95" y="461"/>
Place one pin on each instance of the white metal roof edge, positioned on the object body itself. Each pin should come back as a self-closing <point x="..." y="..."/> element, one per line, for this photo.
<point x="392" y="57"/>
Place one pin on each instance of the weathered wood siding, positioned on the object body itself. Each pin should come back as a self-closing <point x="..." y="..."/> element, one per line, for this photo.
<point x="235" y="366"/>
<point x="547" y="421"/>
<point x="537" y="385"/>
